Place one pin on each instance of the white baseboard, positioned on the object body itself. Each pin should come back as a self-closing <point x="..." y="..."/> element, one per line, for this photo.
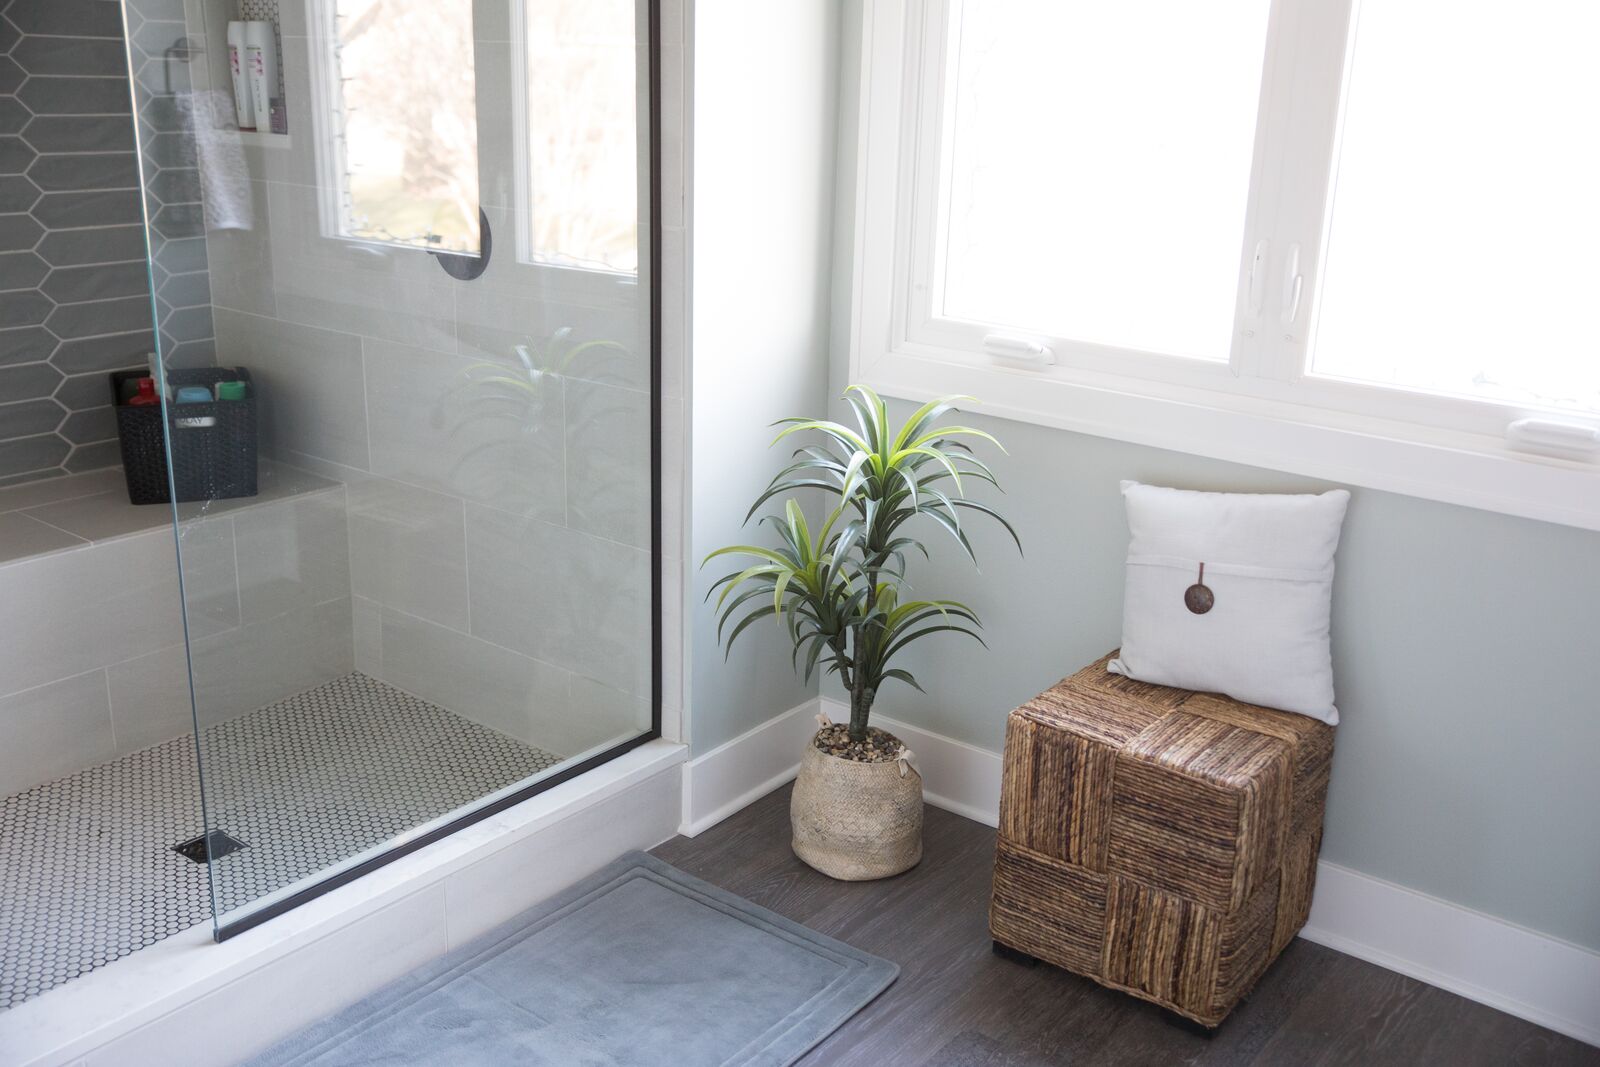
<point x="742" y="771"/>
<point x="1519" y="971"/>
<point x="956" y="776"/>
<point x="739" y="772"/>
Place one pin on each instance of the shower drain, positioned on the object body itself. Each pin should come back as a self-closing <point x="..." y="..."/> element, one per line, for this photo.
<point x="212" y="846"/>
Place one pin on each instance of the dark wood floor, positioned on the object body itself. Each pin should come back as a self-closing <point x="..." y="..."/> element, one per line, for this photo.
<point x="956" y="1004"/>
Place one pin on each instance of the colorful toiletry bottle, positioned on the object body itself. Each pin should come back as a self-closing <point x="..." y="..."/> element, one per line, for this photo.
<point x="146" y="393"/>
<point x="193" y="394"/>
<point x="230" y="390"/>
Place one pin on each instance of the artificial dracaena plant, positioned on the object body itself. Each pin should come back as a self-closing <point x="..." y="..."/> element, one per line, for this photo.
<point x="838" y="590"/>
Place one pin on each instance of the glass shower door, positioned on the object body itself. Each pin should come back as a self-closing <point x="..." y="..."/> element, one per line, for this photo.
<point x="403" y="277"/>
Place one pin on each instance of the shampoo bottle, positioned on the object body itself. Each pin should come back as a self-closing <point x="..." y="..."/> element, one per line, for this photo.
<point x="244" y="108"/>
<point x="261" y="65"/>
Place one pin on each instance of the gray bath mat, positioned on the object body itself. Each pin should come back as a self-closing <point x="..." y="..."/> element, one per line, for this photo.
<point x="639" y="964"/>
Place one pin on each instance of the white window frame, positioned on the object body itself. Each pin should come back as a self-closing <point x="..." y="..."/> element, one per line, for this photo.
<point x="1262" y="407"/>
<point x="327" y="119"/>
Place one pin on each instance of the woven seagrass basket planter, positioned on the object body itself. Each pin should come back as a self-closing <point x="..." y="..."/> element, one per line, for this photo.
<point x="856" y="821"/>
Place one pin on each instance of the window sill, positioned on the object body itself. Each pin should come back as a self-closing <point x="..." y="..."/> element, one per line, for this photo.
<point x="258" y="138"/>
<point x="1472" y="470"/>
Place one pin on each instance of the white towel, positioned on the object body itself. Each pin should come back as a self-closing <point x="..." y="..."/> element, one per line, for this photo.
<point x="224" y="175"/>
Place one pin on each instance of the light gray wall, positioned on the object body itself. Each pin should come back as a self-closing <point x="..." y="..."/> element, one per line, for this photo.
<point x="1466" y="648"/>
<point x="764" y="84"/>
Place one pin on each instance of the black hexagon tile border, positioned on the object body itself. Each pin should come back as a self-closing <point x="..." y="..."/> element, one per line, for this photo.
<point x="87" y="871"/>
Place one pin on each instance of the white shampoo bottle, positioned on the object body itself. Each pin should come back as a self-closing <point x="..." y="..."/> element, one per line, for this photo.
<point x="261" y="64"/>
<point x="244" y="108"/>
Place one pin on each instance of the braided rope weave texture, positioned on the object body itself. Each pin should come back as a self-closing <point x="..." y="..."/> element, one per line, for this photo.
<point x="1159" y="841"/>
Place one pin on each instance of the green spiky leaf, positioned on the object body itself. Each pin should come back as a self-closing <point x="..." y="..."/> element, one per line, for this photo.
<point x="837" y="590"/>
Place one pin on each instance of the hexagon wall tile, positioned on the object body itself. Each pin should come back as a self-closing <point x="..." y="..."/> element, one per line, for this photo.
<point x="74" y="285"/>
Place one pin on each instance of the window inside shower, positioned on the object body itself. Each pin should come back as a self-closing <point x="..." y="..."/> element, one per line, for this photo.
<point x="578" y="203"/>
<point x="397" y="154"/>
<point x="407" y="470"/>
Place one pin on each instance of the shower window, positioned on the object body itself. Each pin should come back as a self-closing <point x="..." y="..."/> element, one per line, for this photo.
<point x="577" y="148"/>
<point x="395" y="113"/>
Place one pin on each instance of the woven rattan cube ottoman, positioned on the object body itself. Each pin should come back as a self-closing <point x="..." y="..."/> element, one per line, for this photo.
<point x="1161" y="842"/>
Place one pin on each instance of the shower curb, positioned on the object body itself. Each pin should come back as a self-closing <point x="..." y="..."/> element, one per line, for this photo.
<point x="188" y="991"/>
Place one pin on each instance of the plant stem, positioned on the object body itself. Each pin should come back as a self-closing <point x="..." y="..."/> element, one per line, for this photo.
<point x="863" y="691"/>
<point x="860" y="708"/>
<point x="860" y="694"/>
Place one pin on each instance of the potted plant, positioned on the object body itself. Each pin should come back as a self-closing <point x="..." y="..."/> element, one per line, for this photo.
<point x="840" y="594"/>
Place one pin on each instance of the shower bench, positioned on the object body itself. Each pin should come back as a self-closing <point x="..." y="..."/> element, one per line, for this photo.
<point x="93" y="663"/>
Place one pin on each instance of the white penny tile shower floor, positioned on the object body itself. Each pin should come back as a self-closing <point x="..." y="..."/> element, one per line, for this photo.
<point x="87" y="871"/>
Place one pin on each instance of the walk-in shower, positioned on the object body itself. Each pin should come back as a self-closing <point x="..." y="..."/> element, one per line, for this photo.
<point x="399" y="308"/>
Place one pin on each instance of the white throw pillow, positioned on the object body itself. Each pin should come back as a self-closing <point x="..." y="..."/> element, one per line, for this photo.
<point x="1255" y="627"/>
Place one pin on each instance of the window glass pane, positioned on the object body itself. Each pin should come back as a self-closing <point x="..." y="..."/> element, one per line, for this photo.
<point x="1461" y="255"/>
<point x="410" y="122"/>
<point x="582" y="131"/>
<point x="1097" y="168"/>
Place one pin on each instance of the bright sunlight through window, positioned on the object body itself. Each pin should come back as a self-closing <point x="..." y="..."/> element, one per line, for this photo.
<point x="1092" y="188"/>
<point x="1348" y="239"/>
<point x="582" y="128"/>
<point x="409" y="122"/>
<point x="1461" y="255"/>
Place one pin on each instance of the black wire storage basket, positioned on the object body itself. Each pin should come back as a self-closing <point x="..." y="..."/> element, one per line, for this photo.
<point x="213" y="442"/>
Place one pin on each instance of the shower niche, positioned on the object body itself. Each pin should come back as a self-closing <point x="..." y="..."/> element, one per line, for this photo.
<point x="246" y="56"/>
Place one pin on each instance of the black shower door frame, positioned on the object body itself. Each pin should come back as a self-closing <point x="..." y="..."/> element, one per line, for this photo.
<point x="223" y="931"/>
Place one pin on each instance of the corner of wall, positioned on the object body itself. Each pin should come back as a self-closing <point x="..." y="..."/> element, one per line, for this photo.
<point x="763" y="140"/>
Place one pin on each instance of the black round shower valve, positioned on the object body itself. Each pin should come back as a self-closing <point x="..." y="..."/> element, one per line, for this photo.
<point x="465" y="267"/>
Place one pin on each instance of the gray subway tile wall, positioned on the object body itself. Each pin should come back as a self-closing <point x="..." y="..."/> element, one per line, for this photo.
<point x="310" y="383"/>
<point x="150" y="698"/>
<point x="89" y="602"/>
<point x="23" y="535"/>
<point x="76" y="611"/>
<point x="291" y="557"/>
<point x="55" y="729"/>
<point x="492" y="436"/>
<point x="409" y="550"/>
